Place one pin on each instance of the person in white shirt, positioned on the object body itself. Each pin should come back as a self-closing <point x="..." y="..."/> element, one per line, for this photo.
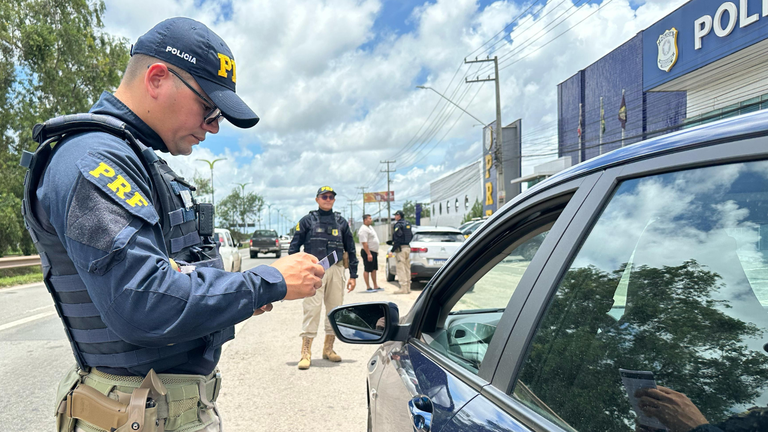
<point x="369" y="252"/>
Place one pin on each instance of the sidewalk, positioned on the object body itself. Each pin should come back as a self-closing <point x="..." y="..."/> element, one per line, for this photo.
<point x="263" y="388"/>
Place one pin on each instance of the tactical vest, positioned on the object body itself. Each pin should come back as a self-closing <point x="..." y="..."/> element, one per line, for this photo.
<point x="404" y="234"/>
<point x="187" y="228"/>
<point x="324" y="235"/>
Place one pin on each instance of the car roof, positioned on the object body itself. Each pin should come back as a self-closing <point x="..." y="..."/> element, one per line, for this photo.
<point x="220" y="230"/>
<point x="739" y="127"/>
<point x="422" y="229"/>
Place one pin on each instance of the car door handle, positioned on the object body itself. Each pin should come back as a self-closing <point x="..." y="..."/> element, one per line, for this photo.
<point x="420" y="409"/>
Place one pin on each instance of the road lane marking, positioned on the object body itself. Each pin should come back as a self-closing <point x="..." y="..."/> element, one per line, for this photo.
<point x="16" y="323"/>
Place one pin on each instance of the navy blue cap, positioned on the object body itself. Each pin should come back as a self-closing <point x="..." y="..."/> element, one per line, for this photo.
<point x="325" y="189"/>
<point x="193" y="47"/>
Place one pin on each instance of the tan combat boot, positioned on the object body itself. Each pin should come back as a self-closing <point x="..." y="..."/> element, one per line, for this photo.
<point x="328" y="353"/>
<point x="306" y="353"/>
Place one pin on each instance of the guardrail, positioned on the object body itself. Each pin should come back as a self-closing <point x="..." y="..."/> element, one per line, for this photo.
<point x="19" y="261"/>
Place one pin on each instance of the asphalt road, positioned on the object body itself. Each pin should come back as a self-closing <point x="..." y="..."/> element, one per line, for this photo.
<point x="262" y="388"/>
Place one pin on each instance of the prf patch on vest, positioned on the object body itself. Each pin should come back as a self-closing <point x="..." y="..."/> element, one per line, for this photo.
<point x="117" y="185"/>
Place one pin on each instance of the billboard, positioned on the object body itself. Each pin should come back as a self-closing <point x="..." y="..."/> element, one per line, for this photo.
<point x="385" y="196"/>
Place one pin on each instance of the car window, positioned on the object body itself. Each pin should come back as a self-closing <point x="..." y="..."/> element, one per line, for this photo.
<point x="670" y="289"/>
<point x="229" y="239"/>
<point x="264" y="233"/>
<point x="471" y="322"/>
<point x="437" y="237"/>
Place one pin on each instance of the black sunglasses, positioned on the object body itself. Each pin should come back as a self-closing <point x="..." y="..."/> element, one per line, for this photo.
<point x="327" y="197"/>
<point x="214" y="114"/>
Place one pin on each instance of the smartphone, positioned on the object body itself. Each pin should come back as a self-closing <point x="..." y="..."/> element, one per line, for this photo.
<point x="329" y="260"/>
<point x="634" y="381"/>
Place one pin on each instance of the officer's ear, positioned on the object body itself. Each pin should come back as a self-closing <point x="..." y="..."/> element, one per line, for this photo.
<point x="156" y="79"/>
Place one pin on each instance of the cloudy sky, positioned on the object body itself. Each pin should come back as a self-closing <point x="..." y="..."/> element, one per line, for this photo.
<point x="334" y="83"/>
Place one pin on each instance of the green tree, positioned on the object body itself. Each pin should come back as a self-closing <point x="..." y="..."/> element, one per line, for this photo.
<point x="55" y="60"/>
<point x="409" y="210"/>
<point x="236" y="208"/>
<point x="475" y="212"/>
<point x="202" y="184"/>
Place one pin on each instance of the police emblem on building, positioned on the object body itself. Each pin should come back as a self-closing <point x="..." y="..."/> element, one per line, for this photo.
<point x="668" y="51"/>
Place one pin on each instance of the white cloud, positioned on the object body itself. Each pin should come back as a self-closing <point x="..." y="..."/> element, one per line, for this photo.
<point x="331" y="110"/>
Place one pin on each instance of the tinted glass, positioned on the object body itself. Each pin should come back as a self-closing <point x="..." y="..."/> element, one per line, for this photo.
<point x="437" y="237"/>
<point x="671" y="286"/>
<point x="264" y="233"/>
<point x="472" y="321"/>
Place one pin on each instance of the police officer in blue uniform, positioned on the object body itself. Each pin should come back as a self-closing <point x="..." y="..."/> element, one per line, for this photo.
<point x="323" y="232"/>
<point x="401" y="239"/>
<point x="127" y="252"/>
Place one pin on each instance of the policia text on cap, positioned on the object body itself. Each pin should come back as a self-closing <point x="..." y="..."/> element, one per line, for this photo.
<point x="115" y="226"/>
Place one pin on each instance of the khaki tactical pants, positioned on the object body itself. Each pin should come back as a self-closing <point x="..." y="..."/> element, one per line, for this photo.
<point x="189" y="404"/>
<point x="403" y="259"/>
<point x="332" y="293"/>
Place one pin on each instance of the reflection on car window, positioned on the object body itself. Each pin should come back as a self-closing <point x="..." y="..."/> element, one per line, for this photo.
<point x="472" y="321"/>
<point x="437" y="237"/>
<point x="672" y="282"/>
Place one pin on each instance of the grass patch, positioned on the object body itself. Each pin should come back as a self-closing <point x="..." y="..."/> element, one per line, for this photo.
<point x="20" y="276"/>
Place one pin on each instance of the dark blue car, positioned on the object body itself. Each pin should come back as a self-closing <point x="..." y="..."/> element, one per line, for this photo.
<point x="643" y="305"/>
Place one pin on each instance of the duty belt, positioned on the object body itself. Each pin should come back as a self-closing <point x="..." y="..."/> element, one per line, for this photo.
<point x="115" y="403"/>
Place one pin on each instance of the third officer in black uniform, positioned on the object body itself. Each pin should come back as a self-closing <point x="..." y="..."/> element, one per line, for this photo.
<point x="321" y="232"/>
<point x="401" y="238"/>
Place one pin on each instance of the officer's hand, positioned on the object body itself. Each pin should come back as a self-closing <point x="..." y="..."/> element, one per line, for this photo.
<point x="351" y="283"/>
<point x="302" y="274"/>
<point x="266" y="308"/>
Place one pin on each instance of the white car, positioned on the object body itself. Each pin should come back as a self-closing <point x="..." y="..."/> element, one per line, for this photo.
<point x="285" y="242"/>
<point x="430" y="249"/>
<point x="233" y="261"/>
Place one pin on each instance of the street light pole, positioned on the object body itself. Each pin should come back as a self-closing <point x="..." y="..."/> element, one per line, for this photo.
<point x="454" y="104"/>
<point x="210" y="165"/>
<point x="269" y="215"/>
<point x="242" y="202"/>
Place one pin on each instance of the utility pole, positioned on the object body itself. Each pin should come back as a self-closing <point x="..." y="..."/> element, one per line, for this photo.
<point x="269" y="212"/>
<point x="363" y="191"/>
<point x="501" y="195"/>
<point x="389" y="208"/>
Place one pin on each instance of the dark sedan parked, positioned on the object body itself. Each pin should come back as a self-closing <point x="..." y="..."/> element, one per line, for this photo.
<point x="642" y="273"/>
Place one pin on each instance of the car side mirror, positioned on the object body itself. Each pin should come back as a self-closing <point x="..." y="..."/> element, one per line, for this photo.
<point x="389" y="242"/>
<point x="366" y="323"/>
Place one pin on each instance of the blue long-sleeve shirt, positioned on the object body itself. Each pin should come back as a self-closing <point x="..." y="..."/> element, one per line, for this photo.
<point x="119" y="250"/>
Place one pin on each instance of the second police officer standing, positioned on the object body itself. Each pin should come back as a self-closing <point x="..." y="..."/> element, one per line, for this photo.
<point x="322" y="232"/>
<point x="401" y="239"/>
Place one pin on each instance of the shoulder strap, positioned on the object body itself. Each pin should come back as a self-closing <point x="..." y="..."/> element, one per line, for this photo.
<point x="58" y="127"/>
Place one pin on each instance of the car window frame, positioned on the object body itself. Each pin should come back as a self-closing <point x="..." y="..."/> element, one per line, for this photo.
<point x="741" y="149"/>
<point x="481" y="253"/>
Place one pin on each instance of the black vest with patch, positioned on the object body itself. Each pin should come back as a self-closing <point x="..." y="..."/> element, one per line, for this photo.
<point x="187" y="228"/>
<point x="324" y="235"/>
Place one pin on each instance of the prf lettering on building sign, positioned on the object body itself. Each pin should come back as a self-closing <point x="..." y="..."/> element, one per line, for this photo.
<point x="488" y="164"/>
<point x="227" y="64"/>
<point x="120" y="186"/>
<point x="488" y="193"/>
<point x="705" y="24"/>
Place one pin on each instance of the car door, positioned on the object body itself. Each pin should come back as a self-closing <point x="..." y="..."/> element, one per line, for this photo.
<point x="460" y="323"/>
<point x="659" y="281"/>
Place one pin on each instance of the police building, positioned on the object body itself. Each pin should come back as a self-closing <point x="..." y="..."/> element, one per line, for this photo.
<point x="703" y="62"/>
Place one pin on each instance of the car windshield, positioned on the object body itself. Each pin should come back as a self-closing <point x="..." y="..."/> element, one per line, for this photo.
<point x="264" y="233"/>
<point x="437" y="237"/>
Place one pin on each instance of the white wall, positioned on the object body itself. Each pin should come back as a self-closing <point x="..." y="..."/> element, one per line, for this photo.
<point x="461" y="187"/>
